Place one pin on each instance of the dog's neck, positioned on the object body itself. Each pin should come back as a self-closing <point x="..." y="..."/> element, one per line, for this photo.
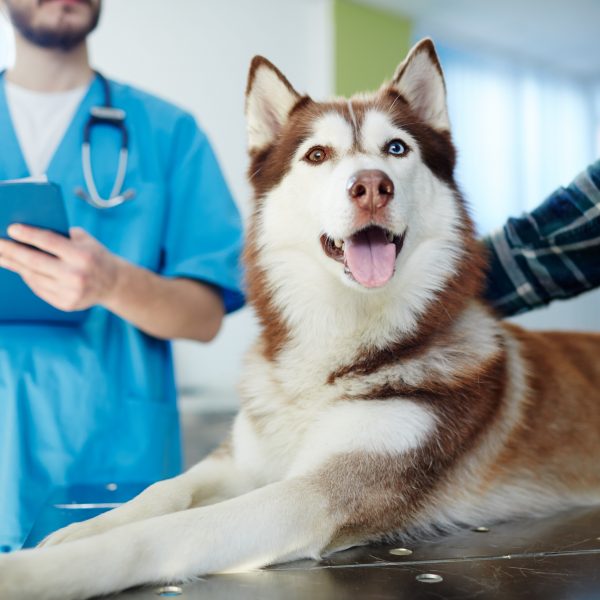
<point x="305" y="310"/>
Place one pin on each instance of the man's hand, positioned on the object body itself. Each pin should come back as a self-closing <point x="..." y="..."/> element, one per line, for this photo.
<point x="78" y="272"/>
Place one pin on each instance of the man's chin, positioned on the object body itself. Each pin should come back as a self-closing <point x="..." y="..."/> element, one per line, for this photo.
<point x="67" y="33"/>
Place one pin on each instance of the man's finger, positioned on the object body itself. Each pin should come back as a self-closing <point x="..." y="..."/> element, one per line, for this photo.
<point x="78" y="233"/>
<point x="31" y="259"/>
<point x="48" y="289"/>
<point x="20" y="269"/>
<point x="46" y="240"/>
<point x="62" y="281"/>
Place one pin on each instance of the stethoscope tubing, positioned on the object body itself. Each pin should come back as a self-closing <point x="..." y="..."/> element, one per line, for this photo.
<point x="113" y="117"/>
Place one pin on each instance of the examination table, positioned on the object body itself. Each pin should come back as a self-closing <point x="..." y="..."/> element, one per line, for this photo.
<point x="551" y="559"/>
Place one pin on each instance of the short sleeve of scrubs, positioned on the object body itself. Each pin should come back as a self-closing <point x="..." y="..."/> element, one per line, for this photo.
<point x="203" y="236"/>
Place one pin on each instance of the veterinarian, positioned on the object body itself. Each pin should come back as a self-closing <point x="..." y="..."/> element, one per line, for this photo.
<point x="95" y="403"/>
<point x="552" y="253"/>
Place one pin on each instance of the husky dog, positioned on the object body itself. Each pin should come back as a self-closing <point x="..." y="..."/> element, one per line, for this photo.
<point x="382" y="397"/>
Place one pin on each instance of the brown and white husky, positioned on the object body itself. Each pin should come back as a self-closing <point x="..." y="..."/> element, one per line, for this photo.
<point x="382" y="398"/>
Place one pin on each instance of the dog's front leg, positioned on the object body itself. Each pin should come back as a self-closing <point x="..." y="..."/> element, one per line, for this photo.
<point x="216" y="476"/>
<point x="282" y="521"/>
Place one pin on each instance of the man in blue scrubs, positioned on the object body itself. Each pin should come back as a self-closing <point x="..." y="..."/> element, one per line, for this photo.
<point x="95" y="403"/>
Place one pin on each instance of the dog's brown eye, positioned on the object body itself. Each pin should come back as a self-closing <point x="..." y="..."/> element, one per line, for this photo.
<point x="316" y="155"/>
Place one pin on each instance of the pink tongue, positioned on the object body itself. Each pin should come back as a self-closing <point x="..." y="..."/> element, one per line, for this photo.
<point x="370" y="257"/>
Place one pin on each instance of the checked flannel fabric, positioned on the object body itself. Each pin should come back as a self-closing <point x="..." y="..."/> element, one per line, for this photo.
<point x="551" y="253"/>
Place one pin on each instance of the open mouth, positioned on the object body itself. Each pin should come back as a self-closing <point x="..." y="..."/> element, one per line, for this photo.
<point x="368" y="255"/>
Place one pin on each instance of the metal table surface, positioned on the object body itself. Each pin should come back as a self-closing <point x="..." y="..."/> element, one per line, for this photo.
<point x="556" y="558"/>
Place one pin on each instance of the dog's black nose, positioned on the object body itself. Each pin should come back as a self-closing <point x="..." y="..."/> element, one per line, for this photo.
<point x="371" y="189"/>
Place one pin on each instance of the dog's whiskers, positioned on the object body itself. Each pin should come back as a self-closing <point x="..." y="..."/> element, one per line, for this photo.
<point x="251" y="177"/>
<point x="394" y="103"/>
<point x="353" y="117"/>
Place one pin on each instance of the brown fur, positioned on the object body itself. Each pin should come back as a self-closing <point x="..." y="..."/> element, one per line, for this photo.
<point x="559" y="433"/>
<point x="274" y="331"/>
<point x="554" y="444"/>
<point x="386" y="493"/>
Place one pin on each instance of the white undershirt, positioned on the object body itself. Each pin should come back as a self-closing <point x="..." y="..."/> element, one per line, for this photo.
<point x="40" y="120"/>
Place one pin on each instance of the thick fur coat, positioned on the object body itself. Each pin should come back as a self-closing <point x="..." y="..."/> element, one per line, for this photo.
<point x="382" y="398"/>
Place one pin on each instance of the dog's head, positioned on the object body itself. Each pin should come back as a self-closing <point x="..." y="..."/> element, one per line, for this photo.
<point x="360" y="192"/>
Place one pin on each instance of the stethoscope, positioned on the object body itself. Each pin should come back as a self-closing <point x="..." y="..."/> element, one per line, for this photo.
<point x="106" y="114"/>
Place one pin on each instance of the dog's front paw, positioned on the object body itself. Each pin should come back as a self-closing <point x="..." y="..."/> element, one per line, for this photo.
<point x="72" y="532"/>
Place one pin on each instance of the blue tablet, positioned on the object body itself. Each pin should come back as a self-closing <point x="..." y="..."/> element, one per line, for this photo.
<point x="38" y="205"/>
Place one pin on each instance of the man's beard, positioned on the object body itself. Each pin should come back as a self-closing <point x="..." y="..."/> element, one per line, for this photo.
<point x="64" y="39"/>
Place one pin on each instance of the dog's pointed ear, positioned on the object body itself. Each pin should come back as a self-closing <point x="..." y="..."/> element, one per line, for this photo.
<point x="269" y="99"/>
<point x="420" y="80"/>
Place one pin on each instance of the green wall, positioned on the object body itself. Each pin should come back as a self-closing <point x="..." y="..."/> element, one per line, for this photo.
<point x="369" y="44"/>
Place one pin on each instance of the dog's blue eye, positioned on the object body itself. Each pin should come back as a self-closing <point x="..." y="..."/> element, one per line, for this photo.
<point x="396" y="148"/>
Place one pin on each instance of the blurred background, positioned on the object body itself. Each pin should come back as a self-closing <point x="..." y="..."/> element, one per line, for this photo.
<point x="523" y="82"/>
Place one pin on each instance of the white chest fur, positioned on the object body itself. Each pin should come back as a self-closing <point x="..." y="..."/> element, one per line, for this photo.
<point x="292" y="420"/>
<point x="298" y="440"/>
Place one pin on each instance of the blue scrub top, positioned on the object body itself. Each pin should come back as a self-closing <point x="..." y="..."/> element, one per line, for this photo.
<point x="95" y="403"/>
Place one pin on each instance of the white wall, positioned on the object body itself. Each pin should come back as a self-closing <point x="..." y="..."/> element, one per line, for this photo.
<point x="196" y="53"/>
<point x="6" y="43"/>
<point x="580" y="314"/>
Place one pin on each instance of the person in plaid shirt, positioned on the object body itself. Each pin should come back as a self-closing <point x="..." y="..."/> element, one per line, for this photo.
<point x="551" y="253"/>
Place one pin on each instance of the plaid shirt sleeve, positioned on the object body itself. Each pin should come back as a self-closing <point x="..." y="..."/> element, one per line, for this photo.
<point x="551" y="253"/>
